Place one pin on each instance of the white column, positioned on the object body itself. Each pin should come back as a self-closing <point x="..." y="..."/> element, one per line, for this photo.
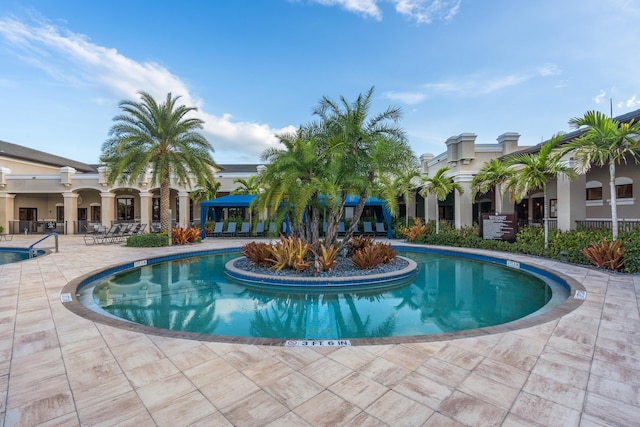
<point x="146" y="199"/>
<point x="183" y="198"/>
<point x="463" y="207"/>
<point x="572" y="201"/>
<point x="108" y="208"/>
<point x="7" y="210"/>
<point x="70" y="211"/>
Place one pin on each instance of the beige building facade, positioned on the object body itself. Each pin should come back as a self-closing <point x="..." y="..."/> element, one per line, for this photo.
<point x="41" y="193"/>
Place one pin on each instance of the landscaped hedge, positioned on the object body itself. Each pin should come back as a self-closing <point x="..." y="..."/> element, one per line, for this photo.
<point x="148" y="240"/>
<point x="530" y="240"/>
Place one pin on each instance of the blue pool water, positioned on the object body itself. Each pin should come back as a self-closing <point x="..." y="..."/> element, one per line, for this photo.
<point x="449" y="294"/>
<point x="9" y="255"/>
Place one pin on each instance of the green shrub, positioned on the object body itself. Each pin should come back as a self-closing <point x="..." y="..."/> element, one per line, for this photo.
<point x="148" y="240"/>
<point x="530" y="241"/>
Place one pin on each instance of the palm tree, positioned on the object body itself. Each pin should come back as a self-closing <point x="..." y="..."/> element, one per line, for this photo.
<point x="399" y="183"/>
<point x="292" y="182"/>
<point x="492" y="174"/>
<point x="160" y="137"/>
<point x="206" y="191"/>
<point x="440" y="185"/>
<point x="606" y="141"/>
<point x="250" y="185"/>
<point x="534" y="170"/>
<point x="356" y="141"/>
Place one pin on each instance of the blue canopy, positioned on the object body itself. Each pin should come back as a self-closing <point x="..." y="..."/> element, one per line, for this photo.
<point x="244" y="201"/>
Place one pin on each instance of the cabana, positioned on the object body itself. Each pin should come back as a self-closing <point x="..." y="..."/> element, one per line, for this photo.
<point x="213" y="210"/>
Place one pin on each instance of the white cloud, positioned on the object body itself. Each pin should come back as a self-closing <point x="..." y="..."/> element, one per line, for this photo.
<point x="421" y="11"/>
<point x="549" y="70"/>
<point x="474" y="86"/>
<point x="364" y="7"/>
<point x="72" y="59"/>
<point x="424" y="11"/>
<point x="598" y="99"/>
<point x="632" y="102"/>
<point x="409" y="98"/>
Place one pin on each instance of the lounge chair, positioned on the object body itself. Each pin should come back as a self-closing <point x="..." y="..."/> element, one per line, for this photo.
<point x="368" y="228"/>
<point x="260" y="229"/>
<point x="245" y="228"/>
<point x="94" y="234"/>
<point x="142" y="228"/>
<point x="217" y="229"/>
<point x="231" y="230"/>
<point x="380" y="230"/>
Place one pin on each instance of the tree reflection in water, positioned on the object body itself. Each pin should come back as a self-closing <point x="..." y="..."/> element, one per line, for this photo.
<point x="448" y="294"/>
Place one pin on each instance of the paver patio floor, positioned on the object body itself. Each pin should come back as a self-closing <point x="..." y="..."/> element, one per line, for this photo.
<point x="57" y="368"/>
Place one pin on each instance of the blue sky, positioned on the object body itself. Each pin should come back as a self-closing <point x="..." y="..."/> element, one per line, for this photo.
<point x="257" y="68"/>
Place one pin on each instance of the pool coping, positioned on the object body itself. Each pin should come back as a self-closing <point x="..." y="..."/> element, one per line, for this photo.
<point x="576" y="297"/>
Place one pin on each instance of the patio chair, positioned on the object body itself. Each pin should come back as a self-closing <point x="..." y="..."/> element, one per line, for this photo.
<point x="217" y="229"/>
<point x="245" y="228"/>
<point x="94" y="234"/>
<point x="142" y="228"/>
<point x="260" y="229"/>
<point x="380" y="230"/>
<point x="231" y="230"/>
<point x="368" y="228"/>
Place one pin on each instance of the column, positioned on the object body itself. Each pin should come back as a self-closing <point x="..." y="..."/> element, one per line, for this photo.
<point x="183" y="198"/>
<point x="108" y="208"/>
<point x="7" y="210"/>
<point x="146" y="199"/>
<point x="70" y="211"/>
<point x="572" y="201"/>
<point x="463" y="207"/>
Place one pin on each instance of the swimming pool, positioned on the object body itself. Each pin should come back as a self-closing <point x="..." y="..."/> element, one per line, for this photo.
<point x="9" y="255"/>
<point x="189" y="296"/>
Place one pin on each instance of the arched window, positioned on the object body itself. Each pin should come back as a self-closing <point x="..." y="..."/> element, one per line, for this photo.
<point x="594" y="190"/>
<point x="624" y="187"/>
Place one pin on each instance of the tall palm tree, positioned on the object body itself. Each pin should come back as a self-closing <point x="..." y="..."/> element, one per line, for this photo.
<point x="606" y="141"/>
<point x="250" y="185"/>
<point x="440" y="185"/>
<point x="493" y="174"/>
<point x="355" y="138"/>
<point x="534" y="170"/>
<point x="160" y="137"/>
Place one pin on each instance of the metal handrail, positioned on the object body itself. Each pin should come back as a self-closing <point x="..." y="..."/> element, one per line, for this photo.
<point x="55" y="235"/>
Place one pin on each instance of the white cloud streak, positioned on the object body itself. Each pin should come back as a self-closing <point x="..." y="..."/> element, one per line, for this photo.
<point x="72" y="59"/>
<point x="420" y="11"/>
<point x="472" y="85"/>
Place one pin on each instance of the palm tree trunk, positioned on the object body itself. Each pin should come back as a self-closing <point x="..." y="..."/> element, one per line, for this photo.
<point x="545" y="218"/>
<point x="498" y="197"/>
<point x="437" y="217"/>
<point x="614" y="200"/>
<point x="165" y="205"/>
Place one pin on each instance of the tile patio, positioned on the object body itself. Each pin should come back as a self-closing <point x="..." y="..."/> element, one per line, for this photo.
<point x="57" y="368"/>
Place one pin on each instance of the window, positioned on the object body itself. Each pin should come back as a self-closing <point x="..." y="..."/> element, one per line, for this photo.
<point x="125" y="209"/>
<point x="96" y="213"/>
<point x="624" y="188"/>
<point x="59" y="213"/>
<point x="594" y="190"/>
<point x="594" y="193"/>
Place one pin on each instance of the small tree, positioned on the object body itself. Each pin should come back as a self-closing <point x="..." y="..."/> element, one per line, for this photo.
<point x="606" y="141"/>
<point x="493" y="174"/>
<point x="533" y="171"/>
<point x="440" y="185"/>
